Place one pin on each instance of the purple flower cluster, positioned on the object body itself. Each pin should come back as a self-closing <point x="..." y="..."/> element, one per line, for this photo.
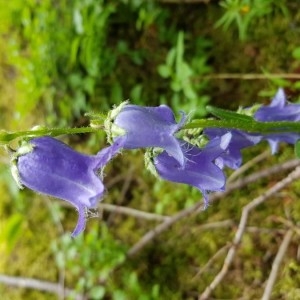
<point x="155" y="127"/>
<point x="50" y="167"/>
<point x="279" y="110"/>
<point x="232" y="156"/>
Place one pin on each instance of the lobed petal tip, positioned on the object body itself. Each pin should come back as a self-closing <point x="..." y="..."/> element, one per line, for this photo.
<point x="81" y="222"/>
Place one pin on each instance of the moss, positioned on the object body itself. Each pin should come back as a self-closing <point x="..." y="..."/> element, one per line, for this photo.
<point x="175" y="257"/>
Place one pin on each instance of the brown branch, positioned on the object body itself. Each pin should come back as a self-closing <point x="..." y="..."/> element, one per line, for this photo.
<point x="123" y="192"/>
<point x="289" y="224"/>
<point x="238" y="184"/>
<point x="241" y="229"/>
<point x="258" y="76"/>
<point x="253" y="229"/>
<point x="220" y="252"/>
<point x="249" y="164"/>
<point x="184" y="1"/>
<point x="150" y="235"/>
<point x="118" y="209"/>
<point x="133" y="212"/>
<point x="290" y="164"/>
<point x="36" y="284"/>
<point x="214" y="225"/>
<point x="212" y="260"/>
<point x="276" y="264"/>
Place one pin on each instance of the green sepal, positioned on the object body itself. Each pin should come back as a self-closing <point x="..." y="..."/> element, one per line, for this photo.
<point x="96" y="119"/>
<point x="26" y="147"/>
<point x="6" y="137"/>
<point x="149" y="156"/>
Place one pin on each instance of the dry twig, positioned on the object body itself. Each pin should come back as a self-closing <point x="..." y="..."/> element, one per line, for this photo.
<point x="133" y="212"/>
<point x="249" y="164"/>
<point x="123" y="192"/>
<point x="290" y="164"/>
<point x="218" y="254"/>
<point x="253" y="76"/>
<point x="185" y="1"/>
<point x="118" y="209"/>
<point x="241" y="229"/>
<point x="276" y="264"/>
<point x="150" y="235"/>
<point x="214" y="225"/>
<point x="36" y="284"/>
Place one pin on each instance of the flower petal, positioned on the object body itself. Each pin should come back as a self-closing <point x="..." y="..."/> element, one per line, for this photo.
<point x="279" y="110"/>
<point x="199" y="170"/>
<point x="232" y="157"/>
<point x="81" y="221"/>
<point x="108" y="153"/>
<point x="147" y="127"/>
<point x="54" y="169"/>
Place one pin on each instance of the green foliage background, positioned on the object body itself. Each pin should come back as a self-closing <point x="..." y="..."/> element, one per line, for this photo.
<point x="60" y="59"/>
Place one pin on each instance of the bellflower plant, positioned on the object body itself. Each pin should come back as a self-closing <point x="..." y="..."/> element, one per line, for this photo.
<point x="48" y="166"/>
<point x="232" y="157"/>
<point x="145" y="127"/>
<point x="279" y="110"/>
<point x="199" y="170"/>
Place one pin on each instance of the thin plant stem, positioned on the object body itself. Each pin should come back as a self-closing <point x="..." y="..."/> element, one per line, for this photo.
<point x="253" y="76"/>
<point x="276" y="264"/>
<point x="36" y="284"/>
<point x="249" y="164"/>
<point x="198" y="207"/>
<point x="7" y="137"/>
<point x="132" y="212"/>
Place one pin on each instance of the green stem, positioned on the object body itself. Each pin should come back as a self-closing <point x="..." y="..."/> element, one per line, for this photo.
<point x="6" y="137"/>
<point x="250" y="126"/>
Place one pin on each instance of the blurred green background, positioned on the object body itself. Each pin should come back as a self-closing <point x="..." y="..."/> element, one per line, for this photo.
<point x="60" y="59"/>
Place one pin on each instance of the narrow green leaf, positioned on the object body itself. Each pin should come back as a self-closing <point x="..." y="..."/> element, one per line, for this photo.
<point x="297" y="149"/>
<point x="228" y="115"/>
<point x="6" y="137"/>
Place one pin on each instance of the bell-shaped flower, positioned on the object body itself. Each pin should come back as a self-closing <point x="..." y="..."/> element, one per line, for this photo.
<point x="50" y="167"/>
<point x="279" y="110"/>
<point x="199" y="170"/>
<point x="232" y="157"/>
<point x="275" y="138"/>
<point x="146" y="127"/>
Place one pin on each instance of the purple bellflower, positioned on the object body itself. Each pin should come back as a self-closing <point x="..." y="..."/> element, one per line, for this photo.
<point x="199" y="170"/>
<point x="232" y="156"/>
<point x="146" y="127"/>
<point x="50" y="167"/>
<point x="279" y="110"/>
